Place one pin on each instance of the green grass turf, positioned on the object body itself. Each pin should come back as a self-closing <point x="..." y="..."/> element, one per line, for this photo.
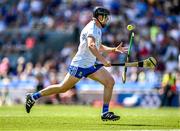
<point x="43" y="118"/>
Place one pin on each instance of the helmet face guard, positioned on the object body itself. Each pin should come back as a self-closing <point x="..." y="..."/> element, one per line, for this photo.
<point x="101" y="11"/>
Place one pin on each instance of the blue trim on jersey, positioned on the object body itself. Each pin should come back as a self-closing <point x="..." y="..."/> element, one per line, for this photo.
<point x="82" y="72"/>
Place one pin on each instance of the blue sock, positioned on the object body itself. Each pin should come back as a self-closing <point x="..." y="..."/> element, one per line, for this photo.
<point x="36" y="95"/>
<point x="105" y="108"/>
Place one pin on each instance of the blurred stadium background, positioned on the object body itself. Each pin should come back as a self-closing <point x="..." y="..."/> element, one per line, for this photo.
<point x="38" y="39"/>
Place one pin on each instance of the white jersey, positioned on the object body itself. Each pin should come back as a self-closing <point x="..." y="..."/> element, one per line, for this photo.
<point x="84" y="57"/>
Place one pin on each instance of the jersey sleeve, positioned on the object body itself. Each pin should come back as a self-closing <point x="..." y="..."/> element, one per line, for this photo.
<point x="91" y="32"/>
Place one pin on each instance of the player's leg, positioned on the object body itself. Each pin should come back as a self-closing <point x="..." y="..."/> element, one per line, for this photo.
<point x="68" y="82"/>
<point x="105" y="78"/>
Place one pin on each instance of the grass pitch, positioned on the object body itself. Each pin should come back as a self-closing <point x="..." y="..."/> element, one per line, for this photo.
<point x="43" y="118"/>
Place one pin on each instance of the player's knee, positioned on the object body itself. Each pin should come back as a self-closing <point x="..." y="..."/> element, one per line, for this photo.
<point x="110" y="82"/>
<point x="63" y="90"/>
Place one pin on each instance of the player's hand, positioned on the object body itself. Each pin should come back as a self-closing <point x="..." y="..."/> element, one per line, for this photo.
<point x="107" y="63"/>
<point x="121" y="49"/>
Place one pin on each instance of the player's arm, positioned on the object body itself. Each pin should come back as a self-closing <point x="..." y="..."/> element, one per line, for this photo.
<point x="95" y="52"/>
<point x="119" y="48"/>
<point x="104" y="48"/>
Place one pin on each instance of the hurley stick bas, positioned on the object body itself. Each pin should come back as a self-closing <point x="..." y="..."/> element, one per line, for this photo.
<point x="147" y="63"/>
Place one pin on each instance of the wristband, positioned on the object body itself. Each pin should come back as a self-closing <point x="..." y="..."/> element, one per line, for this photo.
<point x="113" y="49"/>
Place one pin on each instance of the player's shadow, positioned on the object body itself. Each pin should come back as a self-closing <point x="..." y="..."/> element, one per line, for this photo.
<point x="119" y="124"/>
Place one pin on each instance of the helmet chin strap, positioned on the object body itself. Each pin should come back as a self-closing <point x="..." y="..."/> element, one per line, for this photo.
<point x="100" y="21"/>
